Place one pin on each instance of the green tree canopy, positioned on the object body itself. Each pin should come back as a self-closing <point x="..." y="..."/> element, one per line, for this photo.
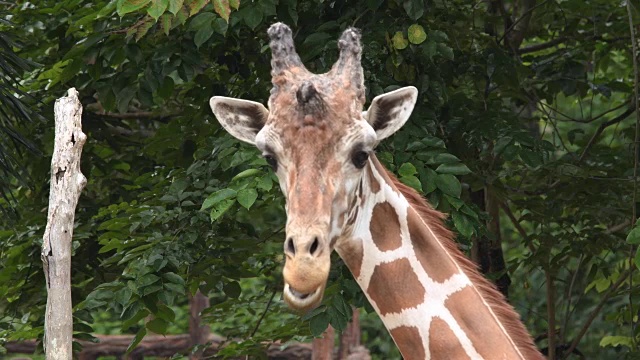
<point x="526" y="103"/>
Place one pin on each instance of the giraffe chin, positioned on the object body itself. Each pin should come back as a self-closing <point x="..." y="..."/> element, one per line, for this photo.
<point x="302" y="302"/>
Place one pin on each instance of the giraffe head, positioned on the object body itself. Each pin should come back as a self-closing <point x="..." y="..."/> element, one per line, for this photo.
<point x="317" y="139"/>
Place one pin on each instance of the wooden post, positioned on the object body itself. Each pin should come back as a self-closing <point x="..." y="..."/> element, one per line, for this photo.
<point x="323" y="347"/>
<point x="67" y="182"/>
<point x="350" y="338"/>
<point x="198" y="333"/>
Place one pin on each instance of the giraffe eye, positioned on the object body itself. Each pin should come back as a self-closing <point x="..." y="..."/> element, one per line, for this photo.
<point x="271" y="160"/>
<point x="359" y="158"/>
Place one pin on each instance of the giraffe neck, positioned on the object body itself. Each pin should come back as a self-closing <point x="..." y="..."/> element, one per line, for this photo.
<point x="428" y="295"/>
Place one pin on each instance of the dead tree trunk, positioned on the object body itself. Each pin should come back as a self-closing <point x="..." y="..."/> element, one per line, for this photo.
<point x="67" y="182"/>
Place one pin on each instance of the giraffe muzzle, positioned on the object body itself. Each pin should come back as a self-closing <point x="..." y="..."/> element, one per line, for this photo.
<point x="306" y="268"/>
<point x="302" y="301"/>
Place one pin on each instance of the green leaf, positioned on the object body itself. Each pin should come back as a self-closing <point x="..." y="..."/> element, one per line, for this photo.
<point x="530" y="157"/>
<point x="637" y="258"/>
<point x="455" y="169"/>
<point x="407" y="169"/>
<point x="319" y="323"/>
<point x="501" y="144"/>
<point x="173" y="277"/>
<point x="246" y="173"/>
<point x="398" y="40"/>
<point x="123" y="296"/>
<point x="166" y="23"/>
<point x="147" y="280"/>
<point x="444" y="158"/>
<point x="432" y="141"/>
<point x="412" y="181"/>
<point x="175" y="288"/>
<point x="462" y="224"/>
<point x="634" y="235"/>
<point x="203" y="35"/>
<point x="158" y="326"/>
<point x="428" y="179"/>
<point x="449" y="184"/>
<point x="234" y="4"/>
<point x="616" y="340"/>
<point x="445" y="51"/>
<point x="124" y="97"/>
<point x="136" y="340"/>
<point x="232" y="289"/>
<point x="220" y="26"/>
<point x="175" y="6"/>
<point x="253" y="17"/>
<point x="220" y="208"/>
<point x="217" y="197"/>
<point x="141" y="314"/>
<point x="265" y="183"/>
<point x="246" y="197"/>
<point x="157" y="8"/>
<point x="455" y="202"/>
<point x="201" y="21"/>
<point x="126" y="6"/>
<point x="195" y="6"/>
<point x="222" y="8"/>
<point x="416" y="34"/>
<point x="414" y="8"/>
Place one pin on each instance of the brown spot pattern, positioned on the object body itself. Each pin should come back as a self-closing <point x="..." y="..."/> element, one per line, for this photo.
<point x="385" y="227"/>
<point x="409" y="342"/>
<point x="395" y="287"/>
<point x="443" y="343"/>
<point x="375" y="186"/>
<point x="434" y="259"/>
<point x="351" y="253"/>
<point x="475" y="320"/>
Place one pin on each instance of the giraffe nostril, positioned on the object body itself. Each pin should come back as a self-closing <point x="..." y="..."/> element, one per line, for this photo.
<point x="290" y="247"/>
<point x="314" y="246"/>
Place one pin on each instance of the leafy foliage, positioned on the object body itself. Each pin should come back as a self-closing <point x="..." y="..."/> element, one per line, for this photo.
<point x="532" y="105"/>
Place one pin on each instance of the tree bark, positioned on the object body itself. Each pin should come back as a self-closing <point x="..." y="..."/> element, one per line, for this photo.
<point x="485" y="252"/>
<point x="350" y="338"/>
<point x="323" y="347"/>
<point x="66" y="185"/>
<point x="198" y="333"/>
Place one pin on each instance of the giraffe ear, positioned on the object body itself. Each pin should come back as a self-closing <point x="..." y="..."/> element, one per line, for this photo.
<point x="241" y="118"/>
<point x="388" y="112"/>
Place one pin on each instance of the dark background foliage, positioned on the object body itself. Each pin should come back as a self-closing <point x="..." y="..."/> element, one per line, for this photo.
<point x="523" y="133"/>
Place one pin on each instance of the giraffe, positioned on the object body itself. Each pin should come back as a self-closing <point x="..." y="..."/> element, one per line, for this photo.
<point x="321" y="144"/>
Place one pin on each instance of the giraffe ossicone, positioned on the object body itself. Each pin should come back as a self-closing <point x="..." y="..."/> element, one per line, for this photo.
<point x="339" y="197"/>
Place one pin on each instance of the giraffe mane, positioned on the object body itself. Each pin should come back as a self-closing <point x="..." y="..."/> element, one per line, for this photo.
<point x="505" y="313"/>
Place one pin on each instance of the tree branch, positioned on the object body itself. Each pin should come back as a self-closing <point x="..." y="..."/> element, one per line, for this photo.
<point x="595" y="311"/>
<point x="514" y="40"/>
<point x="517" y="225"/>
<point x="601" y="128"/>
<point x="263" y="314"/>
<point x="537" y="47"/>
<point x="632" y="250"/>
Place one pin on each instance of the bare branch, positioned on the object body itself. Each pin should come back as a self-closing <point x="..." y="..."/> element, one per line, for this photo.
<point x="596" y="311"/>
<point x="542" y="46"/>
<point x="601" y="128"/>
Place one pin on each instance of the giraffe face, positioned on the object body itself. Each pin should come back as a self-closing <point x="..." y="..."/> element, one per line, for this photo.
<point x="320" y="161"/>
<point x="317" y="140"/>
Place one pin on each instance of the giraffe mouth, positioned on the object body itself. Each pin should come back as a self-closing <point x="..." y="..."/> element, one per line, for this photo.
<point x="302" y="301"/>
